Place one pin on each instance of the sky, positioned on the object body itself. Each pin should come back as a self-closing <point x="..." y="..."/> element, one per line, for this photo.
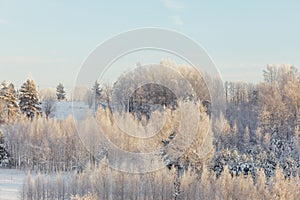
<point x="49" y="40"/>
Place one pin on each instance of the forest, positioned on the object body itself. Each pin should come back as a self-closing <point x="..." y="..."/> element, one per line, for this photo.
<point x="243" y="146"/>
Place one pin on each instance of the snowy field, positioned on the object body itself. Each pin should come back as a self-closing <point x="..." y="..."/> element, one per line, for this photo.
<point x="65" y="108"/>
<point x="10" y="183"/>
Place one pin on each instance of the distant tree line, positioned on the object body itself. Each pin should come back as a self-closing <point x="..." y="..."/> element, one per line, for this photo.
<point x="25" y="101"/>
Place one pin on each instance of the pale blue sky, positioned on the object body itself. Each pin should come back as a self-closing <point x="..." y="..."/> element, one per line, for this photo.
<point x="48" y="40"/>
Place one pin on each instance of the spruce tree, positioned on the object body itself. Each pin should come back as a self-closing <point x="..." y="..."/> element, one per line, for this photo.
<point x="11" y="101"/>
<point x="3" y="108"/>
<point x="29" y="99"/>
<point x="97" y="91"/>
<point x="4" y="156"/>
<point x="96" y="94"/>
<point x="60" y="92"/>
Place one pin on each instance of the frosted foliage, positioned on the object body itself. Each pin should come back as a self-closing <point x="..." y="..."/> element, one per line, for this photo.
<point x="29" y="99"/>
<point x="249" y="151"/>
<point x="104" y="183"/>
<point x="149" y="137"/>
<point x="60" y="92"/>
<point x="8" y="103"/>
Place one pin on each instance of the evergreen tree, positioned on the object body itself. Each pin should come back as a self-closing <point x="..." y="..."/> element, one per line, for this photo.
<point x="96" y="94"/>
<point x="60" y="92"/>
<point x="11" y="101"/>
<point x="3" y="108"/>
<point x="97" y="91"/>
<point x="29" y="100"/>
<point x="3" y="153"/>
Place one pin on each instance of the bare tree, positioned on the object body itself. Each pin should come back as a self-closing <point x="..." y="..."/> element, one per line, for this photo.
<point x="107" y="93"/>
<point x="49" y="102"/>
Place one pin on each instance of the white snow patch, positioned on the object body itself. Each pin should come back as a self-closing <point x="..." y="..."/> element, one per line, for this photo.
<point x="76" y="109"/>
<point x="10" y="183"/>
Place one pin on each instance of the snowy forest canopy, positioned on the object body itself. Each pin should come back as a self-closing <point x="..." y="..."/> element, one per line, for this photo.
<point x="256" y="136"/>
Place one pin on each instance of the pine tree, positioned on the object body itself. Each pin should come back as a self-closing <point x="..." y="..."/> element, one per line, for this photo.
<point x="60" y="92"/>
<point x="11" y="101"/>
<point x="97" y="90"/>
<point x="29" y="100"/>
<point x="3" y="108"/>
<point x="96" y="94"/>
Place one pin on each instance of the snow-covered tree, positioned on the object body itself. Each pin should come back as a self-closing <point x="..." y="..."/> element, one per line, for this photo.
<point x="96" y="94"/>
<point x="60" y="92"/>
<point x="29" y="99"/>
<point x="48" y="102"/>
<point x="3" y="108"/>
<point x="3" y="87"/>
<point x="3" y="113"/>
<point x="97" y="90"/>
<point x="4" y="156"/>
<point x="107" y="93"/>
<point x="11" y="101"/>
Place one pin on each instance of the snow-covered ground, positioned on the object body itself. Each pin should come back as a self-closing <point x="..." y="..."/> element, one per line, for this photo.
<point x="10" y="183"/>
<point x="76" y="109"/>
